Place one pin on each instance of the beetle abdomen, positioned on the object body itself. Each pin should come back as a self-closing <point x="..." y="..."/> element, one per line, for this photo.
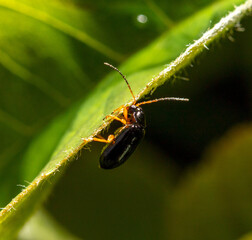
<point x="125" y="144"/>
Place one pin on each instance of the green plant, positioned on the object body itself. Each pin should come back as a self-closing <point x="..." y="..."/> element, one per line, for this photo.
<point x="50" y="68"/>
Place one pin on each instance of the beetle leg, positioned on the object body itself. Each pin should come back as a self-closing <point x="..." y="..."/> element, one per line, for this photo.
<point x="119" y="109"/>
<point x="110" y="139"/>
<point x="125" y="113"/>
<point x="123" y="121"/>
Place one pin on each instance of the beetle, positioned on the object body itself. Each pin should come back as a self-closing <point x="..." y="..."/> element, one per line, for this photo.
<point x="124" y="142"/>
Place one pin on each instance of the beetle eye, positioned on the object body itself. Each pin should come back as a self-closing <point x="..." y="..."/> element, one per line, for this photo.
<point x="140" y="117"/>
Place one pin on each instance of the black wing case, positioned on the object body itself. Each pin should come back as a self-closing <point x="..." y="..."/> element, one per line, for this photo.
<point x="125" y="144"/>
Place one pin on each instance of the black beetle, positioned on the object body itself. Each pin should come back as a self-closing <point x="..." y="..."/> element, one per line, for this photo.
<point x="121" y="145"/>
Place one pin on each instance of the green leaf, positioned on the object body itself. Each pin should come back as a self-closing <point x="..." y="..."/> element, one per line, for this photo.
<point x="41" y="226"/>
<point x="128" y="202"/>
<point x="45" y="65"/>
<point x="246" y="237"/>
<point x="214" y="200"/>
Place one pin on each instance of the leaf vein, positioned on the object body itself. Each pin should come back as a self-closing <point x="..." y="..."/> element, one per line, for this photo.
<point x="62" y="26"/>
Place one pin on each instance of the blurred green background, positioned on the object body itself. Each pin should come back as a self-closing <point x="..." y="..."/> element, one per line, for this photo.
<point x="191" y="176"/>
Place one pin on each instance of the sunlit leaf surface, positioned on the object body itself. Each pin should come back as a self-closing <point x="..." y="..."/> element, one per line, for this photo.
<point x="50" y="65"/>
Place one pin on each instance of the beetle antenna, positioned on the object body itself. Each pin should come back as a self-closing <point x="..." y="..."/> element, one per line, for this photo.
<point x="163" y="99"/>
<point x="124" y="79"/>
